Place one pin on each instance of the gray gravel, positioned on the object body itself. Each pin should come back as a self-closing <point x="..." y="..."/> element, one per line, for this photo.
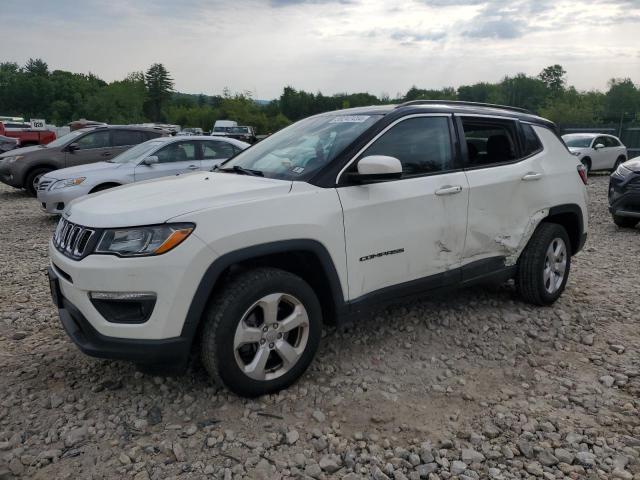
<point x="471" y="385"/>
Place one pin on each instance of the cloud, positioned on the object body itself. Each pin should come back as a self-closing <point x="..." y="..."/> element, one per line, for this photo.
<point x="410" y="36"/>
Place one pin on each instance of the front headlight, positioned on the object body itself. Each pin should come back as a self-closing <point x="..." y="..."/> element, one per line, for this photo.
<point x="622" y="171"/>
<point x="13" y="158"/>
<point x="67" y="182"/>
<point x="577" y="154"/>
<point x="144" y="241"/>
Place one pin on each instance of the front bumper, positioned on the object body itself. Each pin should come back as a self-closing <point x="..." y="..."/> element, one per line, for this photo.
<point x="624" y="195"/>
<point x="8" y="177"/>
<point x="55" y="201"/>
<point x="174" y="351"/>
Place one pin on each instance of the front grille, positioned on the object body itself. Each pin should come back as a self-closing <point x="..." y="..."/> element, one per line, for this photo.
<point x="72" y="240"/>
<point x="44" y="184"/>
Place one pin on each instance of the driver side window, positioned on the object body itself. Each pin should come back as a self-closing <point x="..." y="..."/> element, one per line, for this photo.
<point x="98" y="139"/>
<point x="422" y="144"/>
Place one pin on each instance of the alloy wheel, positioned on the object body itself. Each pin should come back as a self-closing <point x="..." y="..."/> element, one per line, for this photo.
<point x="555" y="265"/>
<point x="271" y="336"/>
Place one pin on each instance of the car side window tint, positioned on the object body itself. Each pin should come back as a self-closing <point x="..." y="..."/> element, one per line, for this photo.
<point x="530" y="142"/>
<point x="489" y="141"/>
<point x="98" y="139"/>
<point x="177" y="152"/>
<point x="122" y="138"/>
<point x="422" y="144"/>
<point x="150" y="135"/>
<point x="213" y="150"/>
<point x="611" y="142"/>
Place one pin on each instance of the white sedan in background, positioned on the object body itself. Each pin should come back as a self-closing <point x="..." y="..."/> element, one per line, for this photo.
<point x="596" y="151"/>
<point x="155" y="158"/>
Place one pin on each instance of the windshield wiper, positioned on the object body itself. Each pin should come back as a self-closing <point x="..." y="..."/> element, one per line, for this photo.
<point x="240" y="170"/>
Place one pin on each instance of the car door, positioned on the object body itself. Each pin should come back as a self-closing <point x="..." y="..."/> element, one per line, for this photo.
<point x="599" y="156"/>
<point x="92" y="147"/>
<point x="214" y="152"/>
<point x="614" y="151"/>
<point x="412" y="228"/>
<point x="174" y="159"/>
<point x="507" y="185"/>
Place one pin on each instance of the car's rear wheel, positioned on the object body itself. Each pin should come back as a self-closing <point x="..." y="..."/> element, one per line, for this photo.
<point x="543" y="268"/>
<point x="261" y="331"/>
<point x="625" y="222"/>
<point x="32" y="179"/>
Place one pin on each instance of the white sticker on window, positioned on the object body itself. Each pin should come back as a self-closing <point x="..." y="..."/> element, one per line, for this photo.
<point x="350" y="119"/>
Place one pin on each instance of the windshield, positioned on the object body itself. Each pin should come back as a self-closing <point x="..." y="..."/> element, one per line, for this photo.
<point x="578" y="142"/>
<point x="138" y="152"/>
<point x="299" y="150"/>
<point x="63" y="140"/>
<point x="238" y="130"/>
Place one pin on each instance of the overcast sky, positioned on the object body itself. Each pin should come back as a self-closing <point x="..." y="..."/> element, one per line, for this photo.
<point x="332" y="46"/>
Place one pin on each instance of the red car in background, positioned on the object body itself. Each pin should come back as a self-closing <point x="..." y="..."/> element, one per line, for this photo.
<point x="26" y="135"/>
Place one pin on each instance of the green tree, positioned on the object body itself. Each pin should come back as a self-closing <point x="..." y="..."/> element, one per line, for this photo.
<point x="554" y="77"/>
<point x="622" y="100"/>
<point x="159" y="89"/>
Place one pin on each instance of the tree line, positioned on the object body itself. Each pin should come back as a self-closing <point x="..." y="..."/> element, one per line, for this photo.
<point x="33" y="91"/>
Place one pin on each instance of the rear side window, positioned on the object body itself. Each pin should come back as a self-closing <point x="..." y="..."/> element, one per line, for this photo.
<point x="611" y="142"/>
<point x="123" y="138"/>
<point x="422" y="144"/>
<point x="530" y="142"/>
<point x="490" y="141"/>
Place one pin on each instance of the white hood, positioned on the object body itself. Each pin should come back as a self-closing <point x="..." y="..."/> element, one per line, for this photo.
<point x="156" y="201"/>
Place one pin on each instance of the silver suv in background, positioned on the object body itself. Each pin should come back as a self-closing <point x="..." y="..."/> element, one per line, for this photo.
<point x="155" y="158"/>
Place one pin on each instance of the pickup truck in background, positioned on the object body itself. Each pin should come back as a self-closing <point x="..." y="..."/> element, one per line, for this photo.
<point x="26" y="135"/>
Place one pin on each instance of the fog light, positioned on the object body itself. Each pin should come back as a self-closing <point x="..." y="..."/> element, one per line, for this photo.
<point x="124" y="307"/>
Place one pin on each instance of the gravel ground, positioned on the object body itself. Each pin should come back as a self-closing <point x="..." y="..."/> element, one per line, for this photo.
<point x="471" y="385"/>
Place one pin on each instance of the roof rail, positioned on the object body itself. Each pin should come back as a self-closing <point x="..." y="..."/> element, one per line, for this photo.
<point x="462" y="103"/>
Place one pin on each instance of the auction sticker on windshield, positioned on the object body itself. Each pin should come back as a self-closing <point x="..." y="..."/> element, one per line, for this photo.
<point x="350" y="119"/>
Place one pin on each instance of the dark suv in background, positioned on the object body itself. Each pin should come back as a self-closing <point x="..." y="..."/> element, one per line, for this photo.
<point x="23" y="167"/>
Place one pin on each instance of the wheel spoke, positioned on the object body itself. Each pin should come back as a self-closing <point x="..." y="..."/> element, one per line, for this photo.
<point x="246" y="334"/>
<point x="287" y="353"/>
<point x="256" y="369"/>
<point x="297" y="318"/>
<point x="269" y="306"/>
<point x="546" y="276"/>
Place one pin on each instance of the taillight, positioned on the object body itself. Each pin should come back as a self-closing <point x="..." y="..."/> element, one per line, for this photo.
<point x="582" y="171"/>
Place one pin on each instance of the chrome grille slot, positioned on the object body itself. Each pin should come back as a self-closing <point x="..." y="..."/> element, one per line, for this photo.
<point x="72" y="239"/>
<point x="44" y="184"/>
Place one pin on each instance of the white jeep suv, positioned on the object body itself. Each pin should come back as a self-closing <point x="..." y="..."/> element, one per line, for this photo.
<point x="321" y="220"/>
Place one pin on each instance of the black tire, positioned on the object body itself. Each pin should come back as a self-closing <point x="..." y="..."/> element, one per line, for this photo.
<point x="587" y="164"/>
<point x="31" y="178"/>
<point x="625" y="222"/>
<point x="530" y="279"/>
<point x="225" y="312"/>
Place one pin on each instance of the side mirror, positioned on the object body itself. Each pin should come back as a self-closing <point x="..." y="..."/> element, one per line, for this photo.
<point x="151" y="160"/>
<point x="599" y="146"/>
<point x="72" y="147"/>
<point x="376" y="168"/>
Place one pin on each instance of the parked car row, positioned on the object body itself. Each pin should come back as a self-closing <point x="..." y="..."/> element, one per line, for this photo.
<point x="155" y="158"/>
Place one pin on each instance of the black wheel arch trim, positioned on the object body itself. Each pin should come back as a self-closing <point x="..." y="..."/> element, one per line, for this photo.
<point x="215" y="270"/>
<point x="577" y="211"/>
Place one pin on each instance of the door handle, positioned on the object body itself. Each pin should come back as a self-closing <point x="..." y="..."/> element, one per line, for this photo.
<point x="449" y="190"/>
<point x="532" y="176"/>
<point x="192" y="167"/>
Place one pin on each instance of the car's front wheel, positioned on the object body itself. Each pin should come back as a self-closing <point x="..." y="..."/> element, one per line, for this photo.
<point x="543" y="268"/>
<point x="261" y="331"/>
<point x="32" y="179"/>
